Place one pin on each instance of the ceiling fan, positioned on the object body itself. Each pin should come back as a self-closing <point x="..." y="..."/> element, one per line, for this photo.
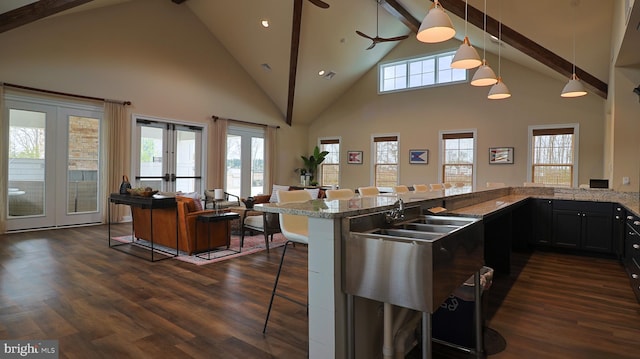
<point x="377" y="39"/>
<point x="320" y="3"/>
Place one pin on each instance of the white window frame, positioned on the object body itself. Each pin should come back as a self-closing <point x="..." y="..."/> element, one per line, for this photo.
<point x="333" y="138"/>
<point x="475" y="153"/>
<point x="576" y="148"/>
<point x="373" y="160"/>
<point x="408" y="62"/>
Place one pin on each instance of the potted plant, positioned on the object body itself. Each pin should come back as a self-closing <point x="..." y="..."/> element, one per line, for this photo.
<point x="312" y="162"/>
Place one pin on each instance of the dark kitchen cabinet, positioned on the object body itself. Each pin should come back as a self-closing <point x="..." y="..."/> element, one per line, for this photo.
<point x="619" y="227"/>
<point x="542" y="211"/>
<point x="631" y="256"/>
<point x="583" y="225"/>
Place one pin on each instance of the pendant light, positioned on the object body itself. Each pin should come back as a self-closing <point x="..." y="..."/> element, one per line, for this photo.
<point x="499" y="91"/>
<point x="466" y="57"/>
<point x="484" y="75"/>
<point x="574" y="87"/>
<point x="436" y="26"/>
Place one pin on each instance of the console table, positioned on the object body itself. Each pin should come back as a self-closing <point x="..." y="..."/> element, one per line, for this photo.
<point x="149" y="203"/>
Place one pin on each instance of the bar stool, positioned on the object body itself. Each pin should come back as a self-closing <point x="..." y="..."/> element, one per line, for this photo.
<point x="368" y="191"/>
<point x="420" y="188"/>
<point x="343" y="193"/>
<point x="296" y="230"/>
<point x="400" y="189"/>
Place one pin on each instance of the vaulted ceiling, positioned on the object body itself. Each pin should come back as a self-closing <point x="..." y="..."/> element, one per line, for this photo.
<point x="304" y="38"/>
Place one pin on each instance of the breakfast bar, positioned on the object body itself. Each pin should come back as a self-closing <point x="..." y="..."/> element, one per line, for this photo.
<point x="329" y="222"/>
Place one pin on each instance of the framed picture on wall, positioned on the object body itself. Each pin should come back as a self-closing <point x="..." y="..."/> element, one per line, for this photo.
<point x="354" y="157"/>
<point x="501" y="155"/>
<point x="420" y="157"/>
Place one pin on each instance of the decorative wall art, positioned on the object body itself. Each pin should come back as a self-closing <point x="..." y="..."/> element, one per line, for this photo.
<point x="501" y="155"/>
<point x="354" y="157"/>
<point x="419" y="157"/>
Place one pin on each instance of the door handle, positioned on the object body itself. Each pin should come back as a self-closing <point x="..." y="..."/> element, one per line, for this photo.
<point x="173" y="177"/>
<point x="166" y="177"/>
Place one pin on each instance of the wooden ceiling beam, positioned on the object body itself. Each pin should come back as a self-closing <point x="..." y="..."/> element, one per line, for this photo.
<point x="293" y="57"/>
<point x="35" y="11"/>
<point x="509" y="37"/>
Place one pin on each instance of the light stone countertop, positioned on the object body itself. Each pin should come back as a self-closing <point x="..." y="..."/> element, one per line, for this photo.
<point x="455" y="200"/>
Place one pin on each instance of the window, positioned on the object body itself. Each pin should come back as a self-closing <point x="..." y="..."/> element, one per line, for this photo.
<point x="330" y="167"/>
<point x="553" y="152"/>
<point x="385" y="159"/>
<point x="458" y="157"/>
<point x="419" y="72"/>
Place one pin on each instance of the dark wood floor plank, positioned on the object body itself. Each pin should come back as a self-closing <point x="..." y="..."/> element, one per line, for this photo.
<point x="67" y="284"/>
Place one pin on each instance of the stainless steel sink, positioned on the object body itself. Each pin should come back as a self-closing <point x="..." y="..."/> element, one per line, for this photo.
<point x="414" y="264"/>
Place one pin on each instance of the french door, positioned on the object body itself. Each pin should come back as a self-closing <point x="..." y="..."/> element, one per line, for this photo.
<point x="168" y="156"/>
<point x="245" y="161"/>
<point x="54" y="157"/>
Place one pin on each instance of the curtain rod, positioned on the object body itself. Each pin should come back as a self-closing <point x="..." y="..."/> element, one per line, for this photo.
<point x="215" y="118"/>
<point x="66" y="94"/>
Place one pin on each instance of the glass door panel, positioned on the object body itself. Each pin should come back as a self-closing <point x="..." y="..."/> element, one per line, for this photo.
<point x="83" y="163"/>
<point x="257" y="165"/>
<point x="234" y="164"/>
<point x="27" y="141"/>
<point x="151" y="160"/>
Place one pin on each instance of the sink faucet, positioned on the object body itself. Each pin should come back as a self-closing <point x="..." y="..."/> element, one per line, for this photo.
<point x="397" y="213"/>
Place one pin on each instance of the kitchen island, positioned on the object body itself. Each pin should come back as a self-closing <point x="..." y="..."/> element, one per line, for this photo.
<point x="328" y="335"/>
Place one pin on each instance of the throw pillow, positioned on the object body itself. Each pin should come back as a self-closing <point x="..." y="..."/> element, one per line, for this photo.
<point x="274" y="192"/>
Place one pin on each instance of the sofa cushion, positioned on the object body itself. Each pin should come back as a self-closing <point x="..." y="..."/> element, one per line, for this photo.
<point x="314" y="192"/>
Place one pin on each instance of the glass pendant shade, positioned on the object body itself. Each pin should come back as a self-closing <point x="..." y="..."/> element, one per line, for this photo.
<point x="466" y="57"/>
<point x="499" y="91"/>
<point x="484" y="76"/>
<point x="573" y="88"/>
<point x="436" y="26"/>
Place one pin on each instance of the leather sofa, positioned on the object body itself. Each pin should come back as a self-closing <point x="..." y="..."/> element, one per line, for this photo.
<point x="165" y="224"/>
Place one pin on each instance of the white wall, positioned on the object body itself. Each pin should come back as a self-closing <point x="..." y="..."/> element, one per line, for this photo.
<point x="420" y="114"/>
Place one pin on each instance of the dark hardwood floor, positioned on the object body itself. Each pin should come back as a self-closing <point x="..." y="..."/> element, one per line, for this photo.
<point x="98" y="302"/>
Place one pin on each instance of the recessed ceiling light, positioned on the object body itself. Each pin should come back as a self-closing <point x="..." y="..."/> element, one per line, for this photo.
<point x="321" y="73"/>
<point x="265" y="23"/>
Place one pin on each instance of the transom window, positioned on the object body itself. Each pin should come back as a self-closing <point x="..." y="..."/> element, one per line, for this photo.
<point x="330" y="167"/>
<point x="553" y="156"/>
<point x="385" y="159"/>
<point x="458" y="154"/>
<point x="419" y="72"/>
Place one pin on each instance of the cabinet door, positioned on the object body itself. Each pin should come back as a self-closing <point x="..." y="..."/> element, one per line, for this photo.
<point x="619" y="225"/>
<point x="542" y="220"/>
<point x="567" y="228"/>
<point x="598" y="231"/>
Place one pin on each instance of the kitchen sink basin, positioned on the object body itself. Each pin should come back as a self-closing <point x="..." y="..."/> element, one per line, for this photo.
<point x="414" y="264"/>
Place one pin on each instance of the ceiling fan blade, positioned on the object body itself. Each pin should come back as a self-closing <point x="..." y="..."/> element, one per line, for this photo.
<point x="397" y="38"/>
<point x="364" y="35"/>
<point x="320" y="3"/>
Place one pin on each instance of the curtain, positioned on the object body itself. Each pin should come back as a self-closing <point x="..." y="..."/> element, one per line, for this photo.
<point x="218" y="152"/>
<point x="270" y="158"/>
<point x="118" y="155"/>
<point x="4" y="148"/>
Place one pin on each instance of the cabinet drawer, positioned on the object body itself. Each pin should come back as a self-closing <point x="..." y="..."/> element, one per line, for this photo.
<point x="632" y="246"/>
<point x="633" y="269"/>
<point x="584" y="206"/>
<point x="633" y="222"/>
